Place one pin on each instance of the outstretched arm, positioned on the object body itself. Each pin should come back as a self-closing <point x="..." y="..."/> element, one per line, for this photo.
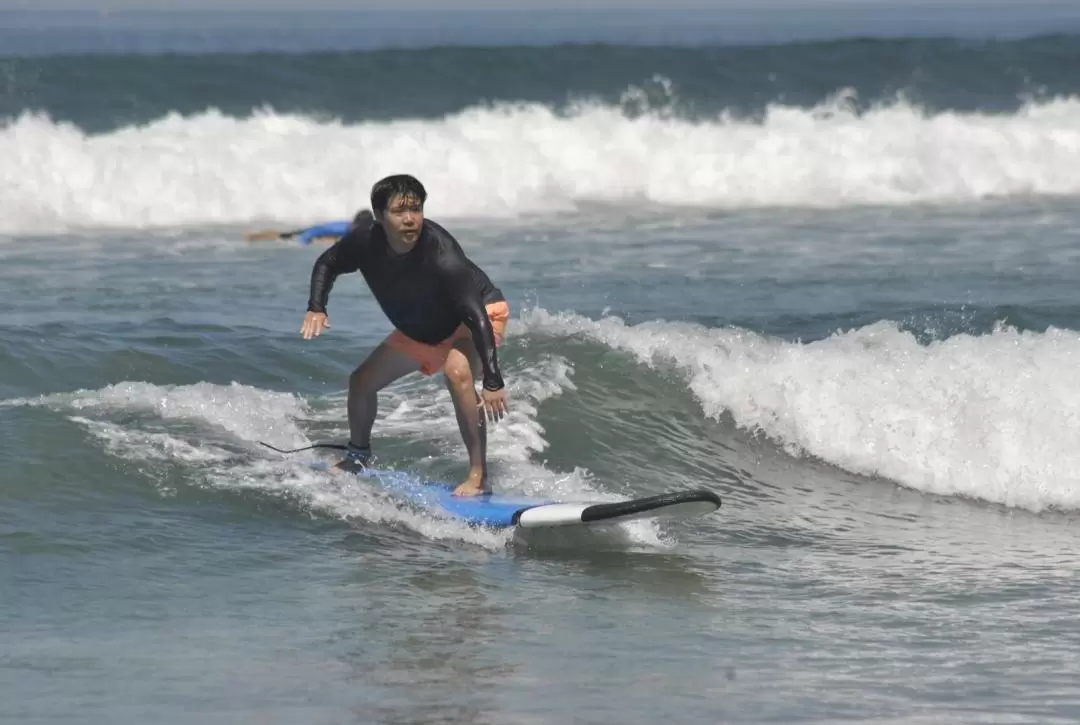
<point x="343" y="257"/>
<point x="265" y="235"/>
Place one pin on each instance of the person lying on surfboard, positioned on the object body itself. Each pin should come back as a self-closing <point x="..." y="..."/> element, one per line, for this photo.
<point x="446" y="312"/>
<point x="325" y="233"/>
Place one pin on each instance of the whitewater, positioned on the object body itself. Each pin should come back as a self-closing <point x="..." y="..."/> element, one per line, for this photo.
<point x="991" y="417"/>
<point x="506" y="160"/>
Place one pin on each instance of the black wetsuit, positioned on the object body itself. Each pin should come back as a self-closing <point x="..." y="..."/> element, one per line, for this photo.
<point x="426" y="292"/>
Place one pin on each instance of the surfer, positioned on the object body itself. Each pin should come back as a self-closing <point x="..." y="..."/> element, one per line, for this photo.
<point x="446" y="312"/>
<point x="325" y="233"/>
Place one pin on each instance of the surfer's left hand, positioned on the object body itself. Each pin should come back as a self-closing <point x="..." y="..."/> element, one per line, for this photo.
<point x="494" y="403"/>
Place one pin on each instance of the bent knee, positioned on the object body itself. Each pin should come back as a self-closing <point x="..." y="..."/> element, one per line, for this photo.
<point x="360" y="382"/>
<point x="457" y="369"/>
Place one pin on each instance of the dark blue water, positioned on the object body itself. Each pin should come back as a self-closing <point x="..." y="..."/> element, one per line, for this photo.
<point x="100" y="93"/>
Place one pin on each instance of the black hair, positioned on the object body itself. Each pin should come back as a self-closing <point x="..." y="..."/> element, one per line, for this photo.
<point x="399" y="184"/>
<point x="363" y="216"/>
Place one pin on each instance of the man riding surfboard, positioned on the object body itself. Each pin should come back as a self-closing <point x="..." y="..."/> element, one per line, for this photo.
<point x="446" y="312"/>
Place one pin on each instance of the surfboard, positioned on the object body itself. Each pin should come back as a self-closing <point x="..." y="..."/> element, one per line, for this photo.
<point x="495" y="510"/>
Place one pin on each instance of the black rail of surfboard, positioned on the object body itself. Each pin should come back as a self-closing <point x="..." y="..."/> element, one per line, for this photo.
<point x="601" y="511"/>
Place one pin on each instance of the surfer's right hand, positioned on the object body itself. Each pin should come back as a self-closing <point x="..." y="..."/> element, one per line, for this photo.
<point x="314" y="324"/>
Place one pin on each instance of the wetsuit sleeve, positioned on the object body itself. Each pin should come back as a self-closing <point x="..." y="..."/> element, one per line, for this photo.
<point x="343" y="257"/>
<point x="329" y="229"/>
<point x="470" y="304"/>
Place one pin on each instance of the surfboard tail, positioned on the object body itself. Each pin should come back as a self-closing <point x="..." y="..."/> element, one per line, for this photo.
<point x="680" y="504"/>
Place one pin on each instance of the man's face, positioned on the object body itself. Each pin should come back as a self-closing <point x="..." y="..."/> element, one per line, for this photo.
<point x="403" y="219"/>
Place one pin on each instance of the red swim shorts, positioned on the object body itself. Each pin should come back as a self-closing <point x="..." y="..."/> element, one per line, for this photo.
<point x="433" y="357"/>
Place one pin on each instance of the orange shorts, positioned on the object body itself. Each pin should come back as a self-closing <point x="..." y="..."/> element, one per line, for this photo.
<point x="433" y="357"/>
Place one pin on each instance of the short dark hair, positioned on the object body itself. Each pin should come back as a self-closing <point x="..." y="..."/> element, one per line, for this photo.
<point x="362" y="216"/>
<point x="399" y="184"/>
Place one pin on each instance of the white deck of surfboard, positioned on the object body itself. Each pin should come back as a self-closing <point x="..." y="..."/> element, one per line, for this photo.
<point x="576" y="514"/>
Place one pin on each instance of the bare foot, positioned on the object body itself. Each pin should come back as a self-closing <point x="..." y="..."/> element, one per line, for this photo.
<point x="474" y="485"/>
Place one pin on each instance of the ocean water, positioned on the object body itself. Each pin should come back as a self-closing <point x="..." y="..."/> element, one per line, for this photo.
<point x="836" y="282"/>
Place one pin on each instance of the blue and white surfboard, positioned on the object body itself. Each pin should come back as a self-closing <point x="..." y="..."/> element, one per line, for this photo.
<point x="502" y="510"/>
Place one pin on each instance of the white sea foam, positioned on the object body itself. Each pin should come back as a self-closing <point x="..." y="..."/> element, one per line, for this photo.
<point x="994" y="417"/>
<point x="512" y="159"/>
<point x="212" y="430"/>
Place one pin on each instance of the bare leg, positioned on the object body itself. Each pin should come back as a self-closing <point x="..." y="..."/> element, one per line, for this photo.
<point x="461" y="367"/>
<point x="383" y="366"/>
